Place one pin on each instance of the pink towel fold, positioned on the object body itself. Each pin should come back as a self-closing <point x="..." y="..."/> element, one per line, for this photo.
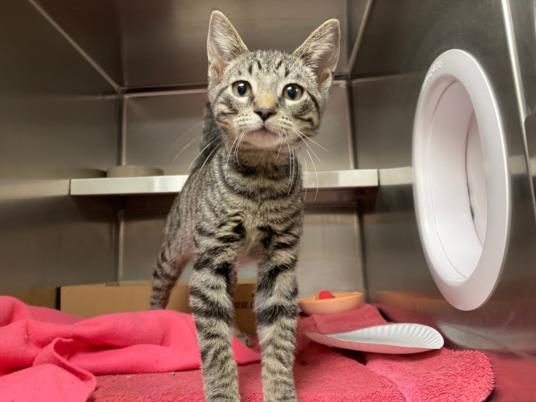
<point x="322" y="375"/>
<point x="365" y="316"/>
<point x="46" y="355"/>
<point x="443" y="375"/>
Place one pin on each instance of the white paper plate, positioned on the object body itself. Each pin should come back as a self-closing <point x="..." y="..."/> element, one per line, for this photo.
<point x="402" y="338"/>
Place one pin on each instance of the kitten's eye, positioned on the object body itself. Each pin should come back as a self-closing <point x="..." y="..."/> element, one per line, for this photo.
<point x="293" y="92"/>
<point x="241" y="88"/>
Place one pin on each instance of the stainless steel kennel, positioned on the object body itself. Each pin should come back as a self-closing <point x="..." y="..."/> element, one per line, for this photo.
<point x="86" y="85"/>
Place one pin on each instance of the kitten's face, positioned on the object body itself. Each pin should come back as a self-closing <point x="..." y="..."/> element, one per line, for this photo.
<point x="268" y="99"/>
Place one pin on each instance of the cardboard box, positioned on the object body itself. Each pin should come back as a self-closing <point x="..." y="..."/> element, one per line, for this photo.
<point x="104" y="298"/>
<point x="42" y="297"/>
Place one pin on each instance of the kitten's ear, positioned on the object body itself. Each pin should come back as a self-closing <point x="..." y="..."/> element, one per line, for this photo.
<point x="223" y="44"/>
<point x="320" y="51"/>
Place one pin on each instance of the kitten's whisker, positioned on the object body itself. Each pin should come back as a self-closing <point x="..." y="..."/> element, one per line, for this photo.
<point x="183" y="149"/>
<point x="201" y="153"/>
<point x="234" y="151"/>
<point x="241" y="137"/>
<point x="314" y="142"/>
<point x="312" y="151"/>
<point x="200" y="170"/>
<point x="291" y="165"/>
<point x="231" y="150"/>
<point x="306" y="169"/>
<point x="295" y="166"/>
<point x="207" y="158"/>
<point x="305" y="136"/>
<point x="189" y="142"/>
<point x="280" y="131"/>
<point x="280" y="144"/>
<point x="304" y="139"/>
<point x="316" y="174"/>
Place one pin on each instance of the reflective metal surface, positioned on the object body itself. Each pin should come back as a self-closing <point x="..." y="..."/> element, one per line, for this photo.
<point x="523" y="15"/>
<point x="401" y="40"/>
<point x="103" y="33"/>
<point x="57" y="121"/>
<point x="520" y="20"/>
<point x="163" y="129"/>
<point x="162" y="43"/>
<point x="95" y="26"/>
<point x="331" y="179"/>
<point x="60" y="118"/>
<point x="530" y="130"/>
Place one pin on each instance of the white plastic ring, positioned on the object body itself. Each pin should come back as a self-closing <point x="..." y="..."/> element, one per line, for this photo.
<point x="461" y="181"/>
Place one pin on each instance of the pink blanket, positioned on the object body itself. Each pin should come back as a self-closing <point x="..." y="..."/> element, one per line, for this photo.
<point x="46" y="355"/>
<point x="443" y="375"/>
<point x="321" y="374"/>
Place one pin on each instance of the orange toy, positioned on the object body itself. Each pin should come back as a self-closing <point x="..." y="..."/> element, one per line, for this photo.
<point x="326" y="302"/>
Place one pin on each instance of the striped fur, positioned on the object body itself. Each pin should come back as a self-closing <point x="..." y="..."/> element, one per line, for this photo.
<point x="244" y="196"/>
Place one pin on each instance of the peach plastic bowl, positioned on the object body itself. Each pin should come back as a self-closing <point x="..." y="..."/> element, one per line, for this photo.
<point x="343" y="301"/>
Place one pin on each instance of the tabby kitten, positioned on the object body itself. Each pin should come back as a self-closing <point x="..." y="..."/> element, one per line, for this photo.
<point x="244" y="196"/>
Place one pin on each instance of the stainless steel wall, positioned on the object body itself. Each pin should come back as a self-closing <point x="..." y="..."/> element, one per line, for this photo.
<point x="58" y="119"/>
<point x="162" y="43"/>
<point x="62" y="59"/>
<point x="138" y="45"/>
<point x="530" y="129"/>
<point x="401" y="40"/>
<point x="523" y="16"/>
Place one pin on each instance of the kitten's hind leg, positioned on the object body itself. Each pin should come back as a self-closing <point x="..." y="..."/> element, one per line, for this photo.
<point x="169" y="266"/>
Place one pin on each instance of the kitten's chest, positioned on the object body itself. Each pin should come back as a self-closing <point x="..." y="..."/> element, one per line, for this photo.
<point x="252" y="244"/>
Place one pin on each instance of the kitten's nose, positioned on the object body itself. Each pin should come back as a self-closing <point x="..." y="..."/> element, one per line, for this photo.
<point x="264" y="113"/>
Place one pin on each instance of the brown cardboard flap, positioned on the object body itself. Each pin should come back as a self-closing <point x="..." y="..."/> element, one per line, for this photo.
<point x="93" y="300"/>
<point x="243" y="302"/>
<point x="42" y="297"/>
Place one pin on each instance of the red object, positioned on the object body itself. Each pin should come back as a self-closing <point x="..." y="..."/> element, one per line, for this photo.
<point x="325" y="294"/>
<point x="46" y="355"/>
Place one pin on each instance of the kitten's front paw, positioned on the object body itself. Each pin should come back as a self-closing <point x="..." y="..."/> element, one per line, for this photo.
<point x="288" y="398"/>
<point x="280" y="392"/>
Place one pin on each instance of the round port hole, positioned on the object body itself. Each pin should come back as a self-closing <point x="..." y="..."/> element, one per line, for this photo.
<point x="461" y="186"/>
